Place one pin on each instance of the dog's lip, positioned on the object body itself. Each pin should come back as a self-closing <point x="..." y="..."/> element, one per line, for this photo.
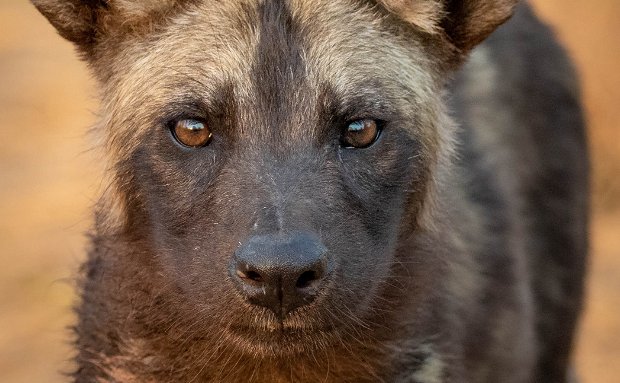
<point x="277" y="332"/>
<point x="279" y="343"/>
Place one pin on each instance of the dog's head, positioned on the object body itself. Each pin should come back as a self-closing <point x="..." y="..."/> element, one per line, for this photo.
<point x="271" y="158"/>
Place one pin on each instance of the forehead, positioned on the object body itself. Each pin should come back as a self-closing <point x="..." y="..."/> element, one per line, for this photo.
<point x="340" y="42"/>
<point x="269" y="54"/>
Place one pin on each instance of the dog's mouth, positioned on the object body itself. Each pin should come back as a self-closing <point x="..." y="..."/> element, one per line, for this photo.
<point x="296" y="326"/>
<point x="279" y="338"/>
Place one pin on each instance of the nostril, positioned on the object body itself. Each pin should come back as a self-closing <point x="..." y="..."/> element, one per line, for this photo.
<point x="306" y="279"/>
<point x="251" y="275"/>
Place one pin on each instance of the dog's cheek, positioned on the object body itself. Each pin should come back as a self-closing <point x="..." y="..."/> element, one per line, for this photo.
<point x="376" y="182"/>
<point x="379" y="178"/>
<point x="173" y="187"/>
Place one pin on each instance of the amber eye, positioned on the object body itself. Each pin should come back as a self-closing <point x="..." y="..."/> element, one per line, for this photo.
<point x="360" y="134"/>
<point x="192" y="133"/>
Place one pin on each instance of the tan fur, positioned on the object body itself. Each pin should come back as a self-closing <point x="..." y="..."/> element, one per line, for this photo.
<point x="424" y="14"/>
<point x="432" y="371"/>
<point x="327" y="62"/>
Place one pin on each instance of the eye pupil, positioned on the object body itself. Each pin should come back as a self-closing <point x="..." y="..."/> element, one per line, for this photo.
<point x="360" y="134"/>
<point x="192" y="133"/>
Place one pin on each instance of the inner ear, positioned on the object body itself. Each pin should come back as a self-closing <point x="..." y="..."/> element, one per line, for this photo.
<point x="465" y="23"/>
<point x="469" y="22"/>
<point x="424" y="14"/>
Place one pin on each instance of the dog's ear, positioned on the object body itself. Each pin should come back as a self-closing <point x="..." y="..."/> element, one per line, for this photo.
<point x="464" y="22"/>
<point x="86" y="22"/>
<point x="78" y="21"/>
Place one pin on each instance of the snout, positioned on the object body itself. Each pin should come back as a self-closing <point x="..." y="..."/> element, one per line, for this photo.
<point x="281" y="272"/>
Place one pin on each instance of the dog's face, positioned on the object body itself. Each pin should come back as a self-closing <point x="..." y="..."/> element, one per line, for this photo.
<point x="270" y="157"/>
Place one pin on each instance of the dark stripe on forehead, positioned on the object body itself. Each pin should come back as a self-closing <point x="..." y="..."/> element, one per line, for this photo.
<point x="278" y="70"/>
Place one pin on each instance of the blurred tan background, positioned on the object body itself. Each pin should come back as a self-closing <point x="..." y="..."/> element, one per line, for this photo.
<point x="50" y="174"/>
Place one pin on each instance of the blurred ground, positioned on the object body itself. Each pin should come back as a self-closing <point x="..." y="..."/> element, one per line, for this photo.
<point x="49" y="177"/>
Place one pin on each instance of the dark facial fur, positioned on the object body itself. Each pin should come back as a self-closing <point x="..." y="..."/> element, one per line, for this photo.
<point x="415" y="262"/>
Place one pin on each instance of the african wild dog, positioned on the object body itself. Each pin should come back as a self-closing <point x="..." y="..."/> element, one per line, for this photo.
<point x="311" y="191"/>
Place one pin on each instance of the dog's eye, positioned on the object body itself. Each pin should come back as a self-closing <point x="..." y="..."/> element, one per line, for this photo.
<point x="360" y="134"/>
<point x="192" y="133"/>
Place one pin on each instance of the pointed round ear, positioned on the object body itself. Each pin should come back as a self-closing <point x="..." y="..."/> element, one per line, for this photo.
<point x="76" y="20"/>
<point x="464" y="22"/>
<point x="86" y="22"/>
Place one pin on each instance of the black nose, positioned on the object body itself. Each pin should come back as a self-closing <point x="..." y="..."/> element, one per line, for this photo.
<point x="281" y="271"/>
